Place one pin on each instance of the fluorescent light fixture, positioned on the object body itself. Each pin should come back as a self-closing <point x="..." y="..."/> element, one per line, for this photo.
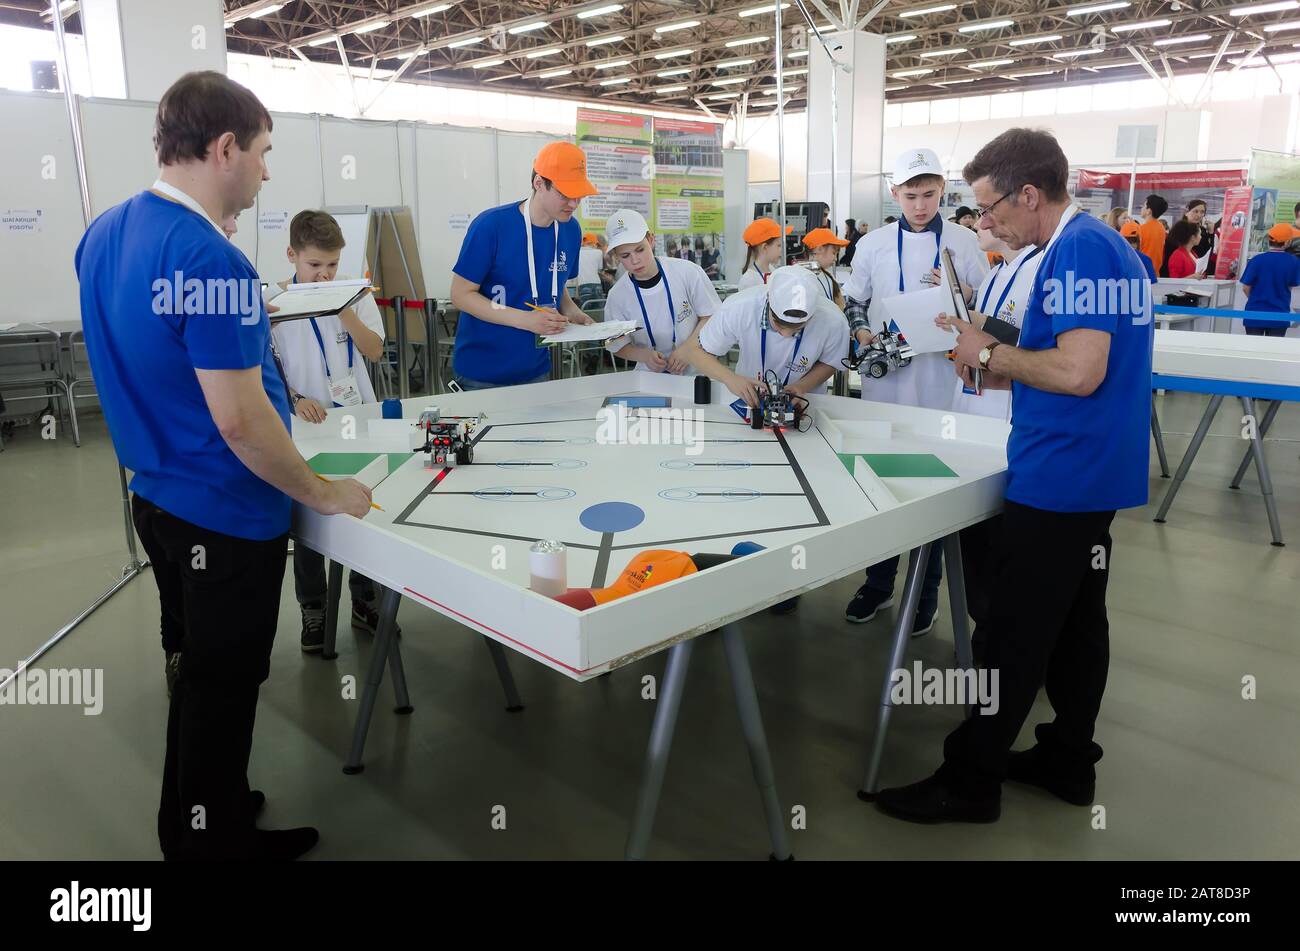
<point x="549" y="51"/>
<point x="747" y="40"/>
<point x="554" y="73"/>
<point x="950" y="52"/>
<point x="1263" y="8"/>
<point x="600" y="11"/>
<point x="671" y="53"/>
<point x="991" y="25"/>
<point x="757" y="11"/>
<point x="900" y="38"/>
<point x="1278" y="27"/>
<point x="265" y="10"/>
<point x="466" y="42"/>
<point x="250" y="11"/>
<point x="617" y="82"/>
<point x="796" y="54"/>
<point x="1097" y="8"/>
<point x="1144" y="25"/>
<point x="665" y="89"/>
<point x="1029" y="40"/>
<point x="733" y="63"/>
<point x="989" y="63"/>
<point x="322" y="41"/>
<point x="1112" y="65"/>
<point x="1258" y="59"/>
<point x="440" y="8"/>
<point x="674" y="72"/>
<point x="605" y="40"/>
<point x="896" y="87"/>
<point x="493" y="79"/>
<point x="906" y="73"/>
<point x="1175" y="40"/>
<point x="674" y="27"/>
<point x="369" y="27"/>
<point x="1071" y="54"/>
<point x="613" y="64"/>
<point x="1040" y="72"/>
<point x="941" y="8"/>
<point x="488" y="62"/>
<point x="954" y="82"/>
<point x="528" y="27"/>
<point x="728" y="82"/>
<point x="724" y="95"/>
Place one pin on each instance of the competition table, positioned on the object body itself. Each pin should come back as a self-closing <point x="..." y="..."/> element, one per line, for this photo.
<point x="866" y="482"/>
<point x="1246" y="367"/>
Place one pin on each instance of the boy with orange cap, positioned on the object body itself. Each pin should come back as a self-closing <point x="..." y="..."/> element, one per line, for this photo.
<point x="1268" y="281"/>
<point x="763" y="252"/>
<point x="1131" y="231"/>
<point x="509" y="280"/>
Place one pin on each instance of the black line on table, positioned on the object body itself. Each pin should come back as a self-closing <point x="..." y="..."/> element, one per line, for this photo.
<point x="803" y="480"/>
<point x="602" y="560"/>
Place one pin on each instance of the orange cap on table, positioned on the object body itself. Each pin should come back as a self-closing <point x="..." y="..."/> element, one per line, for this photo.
<point x="566" y="166"/>
<point x="647" y="569"/>
<point x="763" y="229"/>
<point x="819" y="236"/>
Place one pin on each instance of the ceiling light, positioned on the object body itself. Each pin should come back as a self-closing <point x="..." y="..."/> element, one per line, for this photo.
<point x="794" y="72"/>
<point x="954" y="82"/>
<point x="733" y="63"/>
<point x="553" y="73"/>
<point x="747" y="40"/>
<point x="991" y="25"/>
<point x="1097" y="8"/>
<point x="467" y="42"/>
<point x="604" y="40"/>
<point x="674" y="72"/>
<point x="322" y="40"/>
<point x="369" y="27"/>
<point x="549" y="51"/>
<point x="600" y="11"/>
<point x="989" y="63"/>
<point x="488" y="62"/>
<point x="756" y="11"/>
<point x="795" y="54"/>
<point x="1277" y="27"/>
<point x="440" y="8"/>
<point x="528" y="27"/>
<point x="671" y="53"/>
<point x="265" y="10"/>
<point x="1041" y="72"/>
<point x="1050" y="38"/>
<point x="617" y="82"/>
<point x="663" y="89"/>
<point x="904" y="74"/>
<point x="1070" y="54"/>
<point x="1263" y="8"/>
<point x="952" y="52"/>
<point x="728" y="82"/>
<point x="1144" y="25"/>
<point x="900" y="38"/>
<point x="942" y="8"/>
<point x="612" y="64"/>
<point x="1175" y="40"/>
<point x="674" y="27"/>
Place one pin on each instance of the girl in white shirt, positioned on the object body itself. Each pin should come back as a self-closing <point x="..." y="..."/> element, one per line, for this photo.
<point x="763" y="251"/>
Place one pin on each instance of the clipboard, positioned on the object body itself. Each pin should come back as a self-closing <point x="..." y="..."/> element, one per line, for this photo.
<point x="319" y="299"/>
<point x="959" y="308"/>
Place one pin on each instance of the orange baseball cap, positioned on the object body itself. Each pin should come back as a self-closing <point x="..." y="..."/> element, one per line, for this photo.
<point x="589" y="239"/>
<point x="647" y="569"/>
<point x="819" y="236"/>
<point x="1281" y="233"/>
<point x="566" y="166"/>
<point x="1130" y="229"/>
<point x="763" y="229"/>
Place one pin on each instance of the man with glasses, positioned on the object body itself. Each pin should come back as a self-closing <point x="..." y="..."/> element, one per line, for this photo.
<point x="509" y="280"/>
<point x="900" y="258"/>
<point x="1081" y="390"/>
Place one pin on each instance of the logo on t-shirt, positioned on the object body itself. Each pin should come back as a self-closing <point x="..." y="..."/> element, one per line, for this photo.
<point x="801" y="366"/>
<point x="684" y="310"/>
<point x="561" y="264"/>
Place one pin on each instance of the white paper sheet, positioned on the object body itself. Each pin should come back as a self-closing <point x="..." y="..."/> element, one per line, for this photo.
<point x="581" y="333"/>
<point x="914" y="313"/>
<point x="322" y="297"/>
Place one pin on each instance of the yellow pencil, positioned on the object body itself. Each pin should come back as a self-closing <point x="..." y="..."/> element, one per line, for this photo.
<point x="373" y="505"/>
<point x="548" y="310"/>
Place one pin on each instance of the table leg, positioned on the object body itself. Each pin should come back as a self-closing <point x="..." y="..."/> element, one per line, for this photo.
<point x="1261" y="470"/>
<point x="383" y="641"/>
<point x="502" y="664"/>
<point x="1201" y="429"/>
<point x="661" y="741"/>
<point x="1160" y="440"/>
<point x="902" y="633"/>
<point x="388" y="616"/>
<point x="333" y="588"/>
<point x="957" y="600"/>
<point x="1264" y="424"/>
<point x="751" y="722"/>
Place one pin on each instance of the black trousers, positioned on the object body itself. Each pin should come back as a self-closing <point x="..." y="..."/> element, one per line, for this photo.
<point x="1047" y="627"/>
<point x="221" y="596"/>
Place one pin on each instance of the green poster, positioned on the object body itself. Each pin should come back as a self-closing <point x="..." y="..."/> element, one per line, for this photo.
<point x="1278" y="172"/>
<point x="619" y="164"/>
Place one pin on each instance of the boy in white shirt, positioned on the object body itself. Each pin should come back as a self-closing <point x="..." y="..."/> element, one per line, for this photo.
<point x="322" y="365"/>
<point x="786" y="326"/>
<point x="669" y="297"/>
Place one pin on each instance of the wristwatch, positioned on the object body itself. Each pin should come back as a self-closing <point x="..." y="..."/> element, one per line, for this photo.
<point x="295" y="398"/>
<point x="986" y="354"/>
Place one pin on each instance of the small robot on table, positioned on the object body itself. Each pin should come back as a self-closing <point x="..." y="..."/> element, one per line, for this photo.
<point x="888" y="351"/>
<point x="448" y="440"/>
<point x="777" y="407"/>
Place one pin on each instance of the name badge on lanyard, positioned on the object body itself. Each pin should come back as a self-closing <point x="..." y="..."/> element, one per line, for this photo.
<point x="532" y="263"/>
<point x="762" y="352"/>
<point x="343" y="390"/>
<point x="938" y="236"/>
<point x="1002" y="298"/>
<point x="645" y="317"/>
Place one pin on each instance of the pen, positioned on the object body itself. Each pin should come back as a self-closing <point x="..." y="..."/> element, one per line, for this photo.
<point x="373" y="505"/>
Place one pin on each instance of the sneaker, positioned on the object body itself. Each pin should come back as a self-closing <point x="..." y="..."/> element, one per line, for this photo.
<point x="366" y="618"/>
<point x="923" y="623"/>
<point x="313" y="629"/>
<point x="866" y="603"/>
<point x="172" y="670"/>
<point x="1031" y="768"/>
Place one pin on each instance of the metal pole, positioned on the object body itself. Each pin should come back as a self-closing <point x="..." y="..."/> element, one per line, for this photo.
<point x="399" y="315"/>
<point x="780" y="134"/>
<point x="1132" y="178"/>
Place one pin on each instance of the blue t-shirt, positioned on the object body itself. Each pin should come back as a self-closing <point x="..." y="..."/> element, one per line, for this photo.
<point x="163" y="294"/>
<point x="1270" y="277"/>
<point x="1146" y="264"/>
<point x="1086" y="454"/>
<point x="492" y="256"/>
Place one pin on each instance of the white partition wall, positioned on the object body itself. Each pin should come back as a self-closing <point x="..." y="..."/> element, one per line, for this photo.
<point x="294" y="164"/>
<point x="455" y="179"/>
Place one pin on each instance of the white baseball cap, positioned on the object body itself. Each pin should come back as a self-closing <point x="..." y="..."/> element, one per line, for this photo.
<point x="792" y="293"/>
<point x="916" y="162"/>
<point x="625" y="226"/>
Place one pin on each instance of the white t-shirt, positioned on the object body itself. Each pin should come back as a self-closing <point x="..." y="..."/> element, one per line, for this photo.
<point x="1011" y="284"/>
<point x="752" y="277"/>
<point x="927" y="380"/>
<point x="300" y="354"/>
<point x="589" y="262"/>
<point x="693" y="298"/>
<point x="742" y="319"/>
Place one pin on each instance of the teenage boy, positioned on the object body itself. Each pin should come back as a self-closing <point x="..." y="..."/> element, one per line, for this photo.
<point x="1268" y="281"/>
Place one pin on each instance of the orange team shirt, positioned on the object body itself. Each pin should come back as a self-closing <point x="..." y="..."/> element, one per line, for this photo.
<point x="1151" y="238"/>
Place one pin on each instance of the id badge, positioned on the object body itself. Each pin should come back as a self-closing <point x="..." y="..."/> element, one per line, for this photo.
<point x="344" y="392"/>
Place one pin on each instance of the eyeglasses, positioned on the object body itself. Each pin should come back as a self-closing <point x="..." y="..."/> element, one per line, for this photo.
<point x="981" y="212"/>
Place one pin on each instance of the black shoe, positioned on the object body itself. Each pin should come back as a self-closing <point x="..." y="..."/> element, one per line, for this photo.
<point x="366" y="618"/>
<point x="923" y="623"/>
<point x="932" y="801"/>
<point x="1032" y="768"/>
<point x="866" y="603"/>
<point x="313" y="629"/>
<point x="283" y="845"/>
<point x="172" y="670"/>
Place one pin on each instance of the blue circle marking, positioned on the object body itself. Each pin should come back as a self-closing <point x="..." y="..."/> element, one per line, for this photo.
<point x="611" y="517"/>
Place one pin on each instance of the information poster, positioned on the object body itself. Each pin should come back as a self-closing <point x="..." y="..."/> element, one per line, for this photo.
<point x="1232" y="233"/>
<point x="689" y="207"/>
<point x="1280" y="172"/>
<point x="620" y="164"/>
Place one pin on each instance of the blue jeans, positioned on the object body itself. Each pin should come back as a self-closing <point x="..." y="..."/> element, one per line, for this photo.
<point x="466" y="384"/>
<point x="880" y="577"/>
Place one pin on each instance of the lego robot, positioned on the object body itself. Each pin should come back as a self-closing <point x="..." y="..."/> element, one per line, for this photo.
<point x="888" y="351"/>
<point x="448" y="441"/>
<point x="778" y="408"/>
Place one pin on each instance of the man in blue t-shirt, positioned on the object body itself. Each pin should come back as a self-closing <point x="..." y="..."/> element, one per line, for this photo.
<point x="1078" y="450"/>
<point x="179" y="342"/>
<point x="508" y="281"/>
<point x="1268" y="281"/>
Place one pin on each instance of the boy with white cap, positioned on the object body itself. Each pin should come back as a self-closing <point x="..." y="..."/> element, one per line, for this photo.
<point x="669" y="297"/>
<point x="787" y="326"/>
<point x="899" y="258"/>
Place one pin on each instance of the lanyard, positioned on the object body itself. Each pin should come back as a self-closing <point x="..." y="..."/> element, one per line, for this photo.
<point x="938" y="236"/>
<point x="761" y="273"/>
<point x="532" y="264"/>
<point x="171" y="191"/>
<point x="320" y="342"/>
<point x="829" y="286"/>
<point x="988" y="291"/>
<point x="645" y="317"/>
<point x="762" y="351"/>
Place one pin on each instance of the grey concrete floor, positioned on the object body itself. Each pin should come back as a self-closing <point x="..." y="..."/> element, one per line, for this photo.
<point x="1191" y="769"/>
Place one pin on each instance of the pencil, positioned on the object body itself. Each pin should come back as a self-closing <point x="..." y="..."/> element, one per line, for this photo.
<point x="373" y="505"/>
